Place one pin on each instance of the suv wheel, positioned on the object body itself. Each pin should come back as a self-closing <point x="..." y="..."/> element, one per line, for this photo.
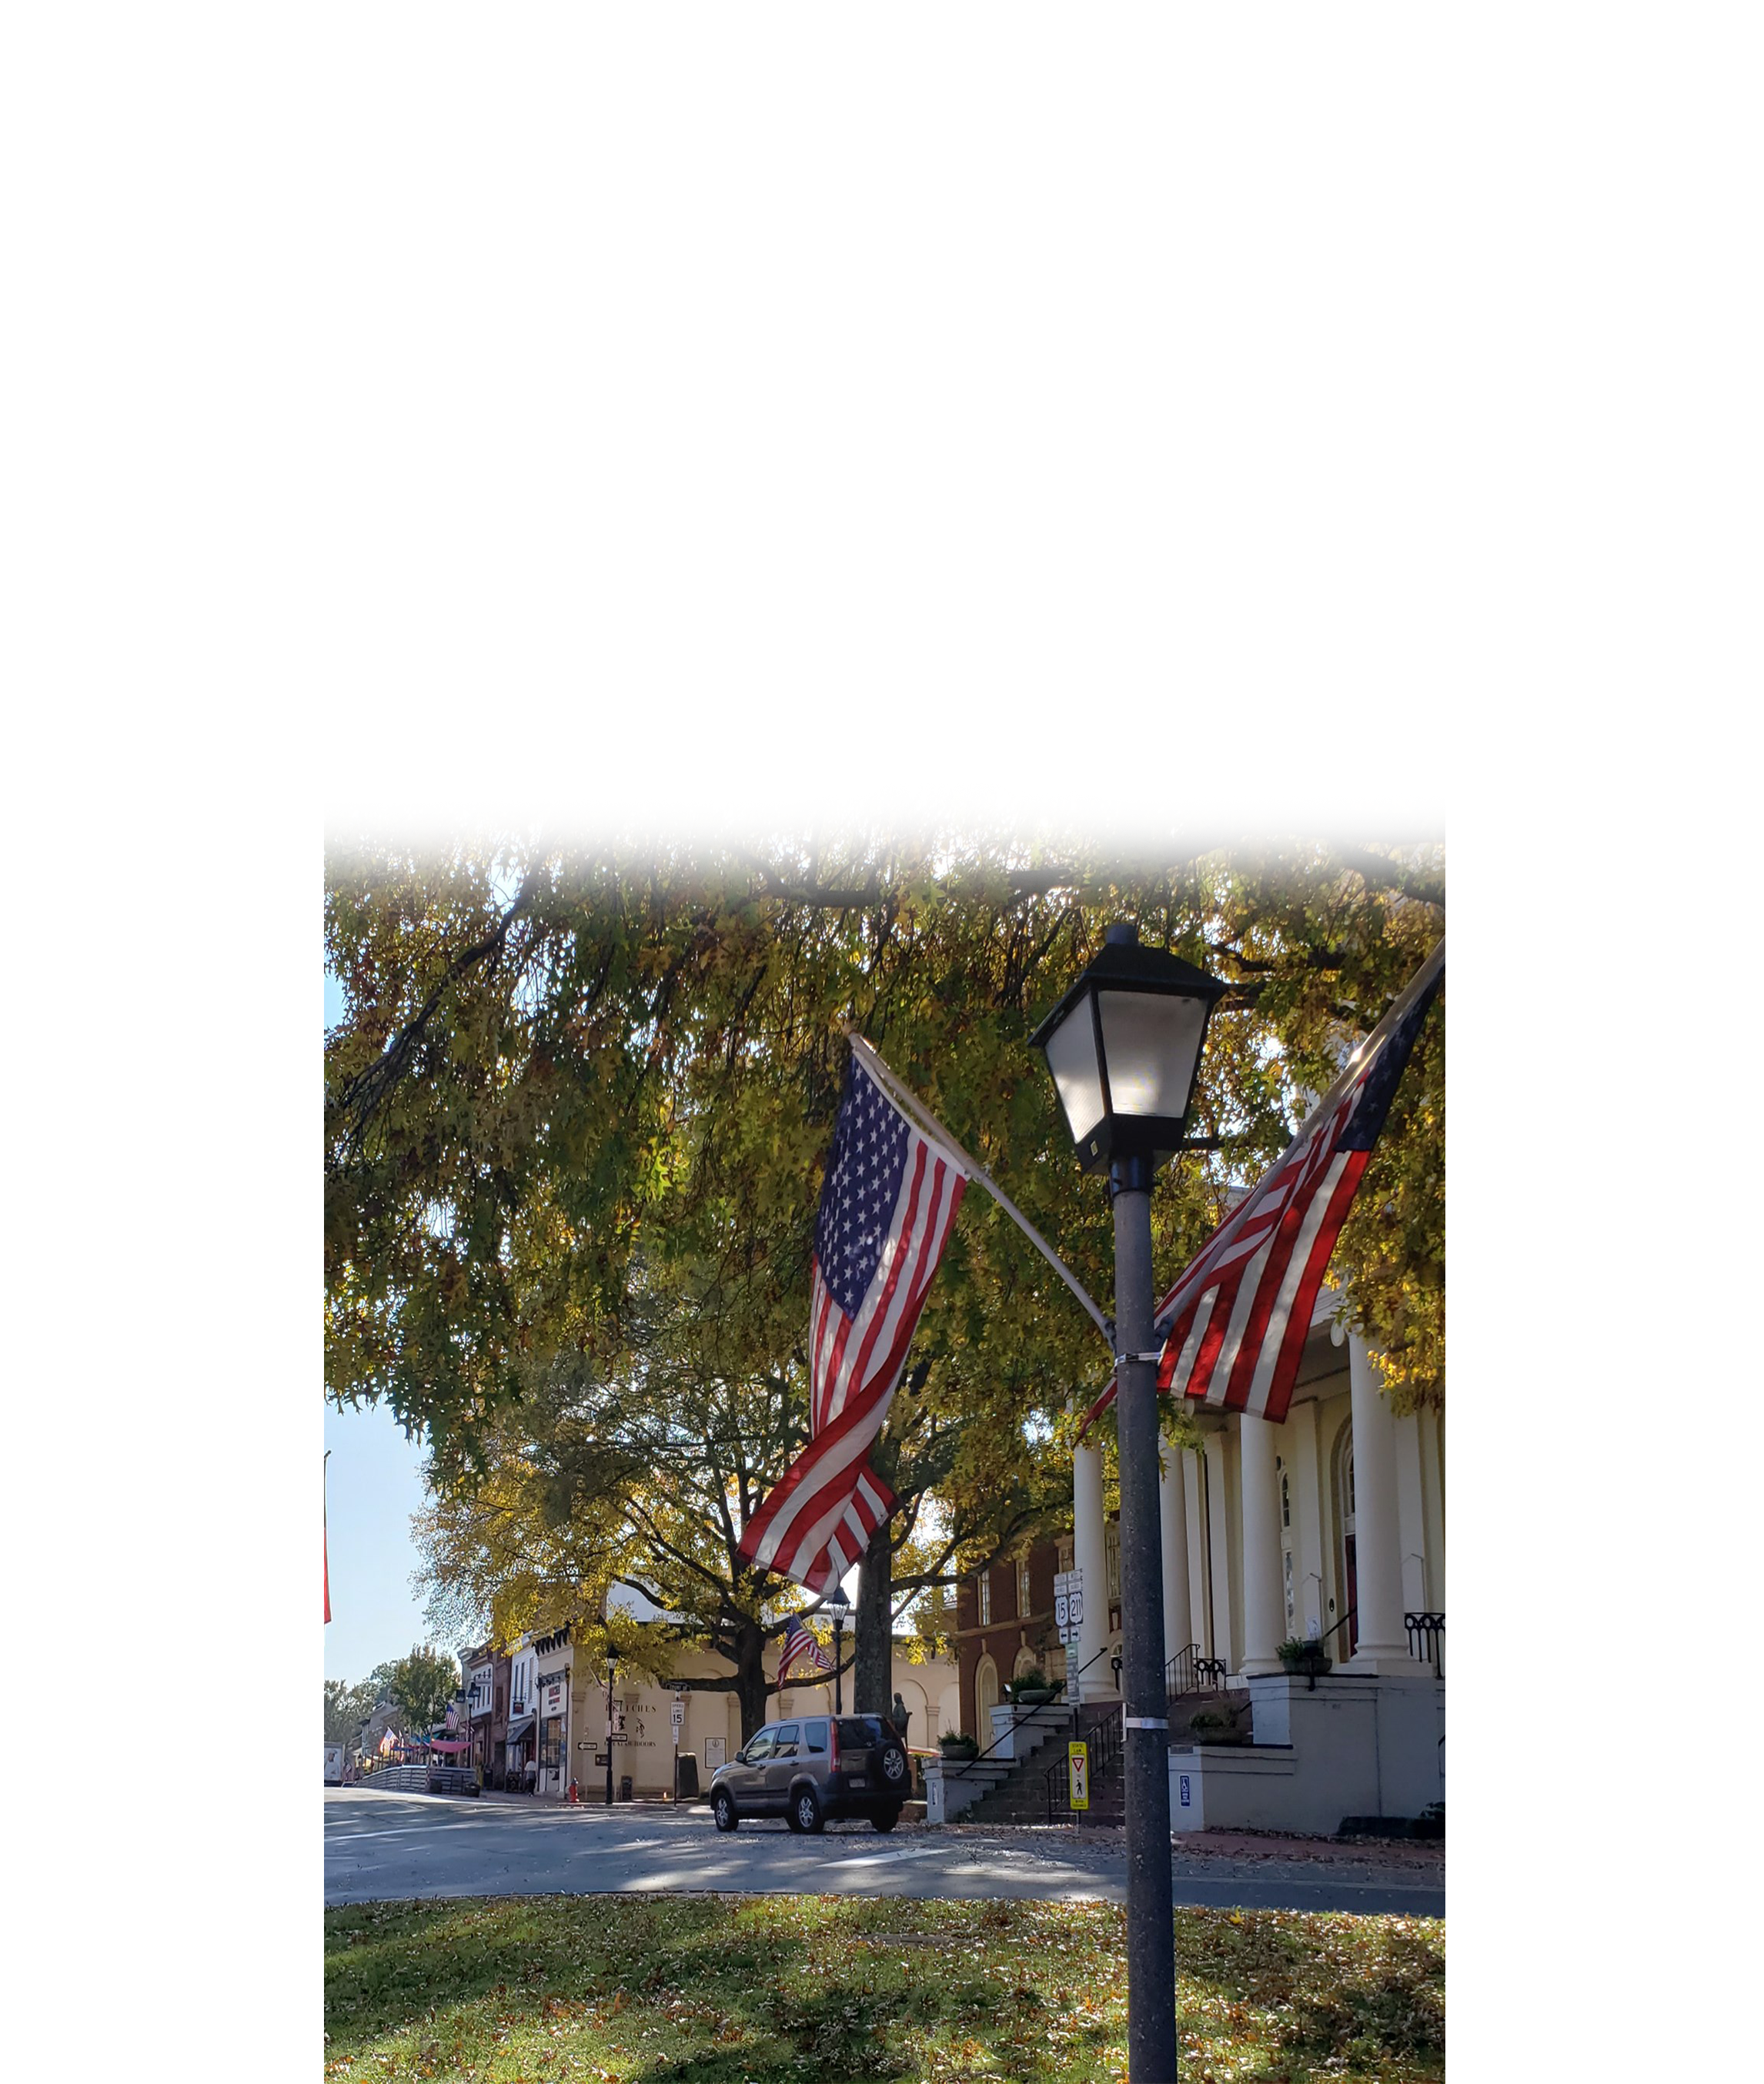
<point x="885" y="1820"/>
<point x="722" y="1809"/>
<point x="894" y="1767"/>
<point x="805" y="1811"/>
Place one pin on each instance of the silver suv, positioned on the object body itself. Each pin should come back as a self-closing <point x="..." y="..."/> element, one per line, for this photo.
<point x="813" y="1769"/>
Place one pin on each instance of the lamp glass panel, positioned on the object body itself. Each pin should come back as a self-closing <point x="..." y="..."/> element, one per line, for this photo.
<point x="1152" y="1044"/>
<point x="1072" y="1056"/>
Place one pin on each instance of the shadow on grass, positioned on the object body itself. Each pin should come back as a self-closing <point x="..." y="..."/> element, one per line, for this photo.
<point x="809" y="1989"/>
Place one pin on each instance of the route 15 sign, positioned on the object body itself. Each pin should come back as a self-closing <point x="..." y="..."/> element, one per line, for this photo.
<point x="1069" y="1604"/>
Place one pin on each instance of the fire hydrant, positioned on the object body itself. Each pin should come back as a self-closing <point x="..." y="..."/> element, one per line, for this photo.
<point x="575" y="1794"/>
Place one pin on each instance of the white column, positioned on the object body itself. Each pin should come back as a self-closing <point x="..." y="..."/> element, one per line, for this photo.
<point x="1307" y="1516"/>
<point x="1088" y="1557"/>
<point x="1199" y="1626"/>
<point x="1219" y="1543"/>
<point x="1264" y="1600"/>
<point x="1173" y="1519"/>
<point x="1406" y="1435"/>
<point x="1383" y="1642"/>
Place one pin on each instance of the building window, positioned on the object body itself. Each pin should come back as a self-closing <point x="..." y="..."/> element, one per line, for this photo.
<point x="986" y="1598"/>
<point x="1026" y="1606"/>
<point x="1286" y="1560"/>
<point x="1112" y="1558"/>
<point x="1286" y="1501"/>
<point x="1066" y="1554"/>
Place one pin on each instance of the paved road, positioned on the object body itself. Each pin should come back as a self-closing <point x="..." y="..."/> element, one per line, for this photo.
<point x="379" y="1845"/>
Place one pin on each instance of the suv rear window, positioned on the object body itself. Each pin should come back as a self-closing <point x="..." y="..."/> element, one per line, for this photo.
<point x="857" y="1732"/>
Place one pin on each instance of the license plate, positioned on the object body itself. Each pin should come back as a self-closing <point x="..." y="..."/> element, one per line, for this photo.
<point x="857" y="1780"/>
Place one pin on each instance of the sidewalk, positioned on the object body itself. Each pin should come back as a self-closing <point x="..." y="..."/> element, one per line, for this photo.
<point x="1416" y="1862"/>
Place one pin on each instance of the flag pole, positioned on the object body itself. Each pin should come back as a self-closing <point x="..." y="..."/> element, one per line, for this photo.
<point x="905" y="1099"/>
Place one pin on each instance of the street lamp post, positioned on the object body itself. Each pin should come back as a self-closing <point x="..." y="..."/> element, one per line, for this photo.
<point x="1123" y="1046"/>
<point x="838" y="1606"/>
<point x="611" y="1674"/>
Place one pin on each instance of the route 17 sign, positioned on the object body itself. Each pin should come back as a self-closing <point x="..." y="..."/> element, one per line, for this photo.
<point x="1069" y="1604"/>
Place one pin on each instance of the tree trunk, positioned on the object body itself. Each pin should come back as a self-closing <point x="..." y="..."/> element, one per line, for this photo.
<point x="750" y="1684"/>
<point x="872" y="1669"/>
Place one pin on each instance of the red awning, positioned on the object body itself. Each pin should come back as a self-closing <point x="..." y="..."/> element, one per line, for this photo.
<point x="449" y="1744"/>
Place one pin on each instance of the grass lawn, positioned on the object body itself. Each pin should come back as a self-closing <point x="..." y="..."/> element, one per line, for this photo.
<point x="756" y="1989"/>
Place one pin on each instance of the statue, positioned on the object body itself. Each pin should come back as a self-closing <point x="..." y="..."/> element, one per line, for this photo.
<point x="901" y="1716"/>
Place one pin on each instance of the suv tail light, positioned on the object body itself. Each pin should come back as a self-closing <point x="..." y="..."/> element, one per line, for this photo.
<point x="832" y="1744"/>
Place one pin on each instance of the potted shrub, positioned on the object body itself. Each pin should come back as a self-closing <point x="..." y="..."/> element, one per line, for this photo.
<point x="1304" y="1656"/>
<point x="952" y="1744"/>
<point x="1034" y="1689"/>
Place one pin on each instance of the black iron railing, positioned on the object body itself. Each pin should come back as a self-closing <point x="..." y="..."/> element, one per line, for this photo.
<point x="1426" y="1640"/>
<point x="1189" y="1672"/>
<point x="1342" y="1624"/>
<point x="1103" y="1740"/>
<point x="959" y="1766"/>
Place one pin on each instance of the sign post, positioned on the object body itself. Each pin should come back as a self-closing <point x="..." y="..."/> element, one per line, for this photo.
<point x="677" y="1714"/>
<point x="1069" y="1623"/>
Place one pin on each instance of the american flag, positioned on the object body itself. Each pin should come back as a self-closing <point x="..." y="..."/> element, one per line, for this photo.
<point x="801" y="1647"/>
<point x="887" y="1207"/>
<point x="1233" y="1327"/>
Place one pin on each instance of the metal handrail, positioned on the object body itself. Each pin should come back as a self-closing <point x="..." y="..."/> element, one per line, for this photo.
<point x="1342" y="1624"/>
<point x="1428" y="1629"/>
<point x="1103" y="1741"/>
<point x="1186" y="1671"/>
<point x="961" y="1766"/>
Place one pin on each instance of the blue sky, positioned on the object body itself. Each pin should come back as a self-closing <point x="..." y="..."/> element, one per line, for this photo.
<point x="373" y="1484"/>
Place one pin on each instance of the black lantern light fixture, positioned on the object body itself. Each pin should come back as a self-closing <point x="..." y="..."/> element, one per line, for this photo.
<point x="838" y="1606"/>
<point x="1124" y="1045"/>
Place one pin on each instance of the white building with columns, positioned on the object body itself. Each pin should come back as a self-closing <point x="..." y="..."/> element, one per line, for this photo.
<point x="1330" y="1526"/>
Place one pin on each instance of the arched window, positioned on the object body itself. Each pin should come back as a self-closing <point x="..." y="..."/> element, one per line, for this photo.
<point x="1026" y="1661"/>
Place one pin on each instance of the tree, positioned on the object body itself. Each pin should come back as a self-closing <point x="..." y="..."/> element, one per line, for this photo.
<point x="420" y="1686"/>
<point x="570" y="1091"/>
<point x="347" y="1708"/>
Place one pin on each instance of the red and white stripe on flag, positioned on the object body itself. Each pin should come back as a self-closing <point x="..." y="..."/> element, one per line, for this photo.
<point x="887" y="1204"/>
<point x="1233" y="1327"/>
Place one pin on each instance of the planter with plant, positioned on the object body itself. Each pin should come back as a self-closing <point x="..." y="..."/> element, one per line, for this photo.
<point x="1034" y="1689"/>
<point x="951" y="1744"/>
<point x="1305" y="1658"/>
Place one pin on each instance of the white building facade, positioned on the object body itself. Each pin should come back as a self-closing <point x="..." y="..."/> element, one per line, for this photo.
<point x="1329" y="1526"/>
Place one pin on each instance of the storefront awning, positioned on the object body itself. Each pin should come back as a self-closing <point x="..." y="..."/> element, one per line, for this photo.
<point x="448" y="1744"/>
<point x="520" y="1726"/>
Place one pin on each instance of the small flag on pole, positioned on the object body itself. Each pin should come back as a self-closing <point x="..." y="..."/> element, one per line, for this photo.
<point x="887" y="1207"/>
<point x="802" y="1650"/>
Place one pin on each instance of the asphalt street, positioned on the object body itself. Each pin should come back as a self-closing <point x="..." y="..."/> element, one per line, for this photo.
<point x="385" y="1845"/>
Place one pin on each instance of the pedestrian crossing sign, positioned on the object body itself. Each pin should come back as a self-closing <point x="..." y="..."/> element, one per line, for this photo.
<point x="1077" y="1774"/>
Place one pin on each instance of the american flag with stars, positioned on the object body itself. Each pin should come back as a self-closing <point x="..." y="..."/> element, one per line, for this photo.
<point x="1233" y="1327"/>
<point x="802" y="1649"/>
<point x="887" y="1207"/>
